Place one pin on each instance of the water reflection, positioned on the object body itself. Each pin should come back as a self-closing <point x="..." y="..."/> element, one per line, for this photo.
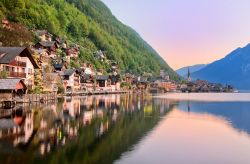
<point x="127" y="129"/>
<point x="191" y="138"/>
<point x="91" y="129"/>
<point x="236" y="113"/>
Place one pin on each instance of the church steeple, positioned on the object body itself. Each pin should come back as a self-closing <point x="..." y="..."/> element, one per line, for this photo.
<point x="189" y="75"/>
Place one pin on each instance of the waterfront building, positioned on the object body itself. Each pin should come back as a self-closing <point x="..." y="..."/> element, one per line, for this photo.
<point x="71" y="79"/>
<point x="18" y="63"/>
<point x="10" y="88"/>
<point x="102" y="82"/>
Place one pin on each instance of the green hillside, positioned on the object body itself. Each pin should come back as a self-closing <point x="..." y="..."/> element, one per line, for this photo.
<point x="90" y="24"/>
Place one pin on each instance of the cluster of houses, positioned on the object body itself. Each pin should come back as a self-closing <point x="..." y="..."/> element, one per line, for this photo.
<point x="204" y="86"/>
<point x="53" y="56"/>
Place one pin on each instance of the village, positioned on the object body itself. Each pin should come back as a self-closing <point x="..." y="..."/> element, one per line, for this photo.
<point x="23" y="70"/>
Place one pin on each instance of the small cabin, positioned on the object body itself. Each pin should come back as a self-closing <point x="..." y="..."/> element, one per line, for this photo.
<point x="10" y="88"/>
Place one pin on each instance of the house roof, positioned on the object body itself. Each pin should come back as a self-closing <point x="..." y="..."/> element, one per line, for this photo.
<point x="68" y="72"/>
<point x="58" y="66"/>
<point x="7" y="54"/>
<point x="115" y="78"/>
<point x="42" y="32"/>
<point x="143" y="79"/>
<point x="47" y="43"/>
<point x="10" y="84"/>
<point x="87" y="77"/>
<point x="51" y="76"/>
<point x="102" y="77"/>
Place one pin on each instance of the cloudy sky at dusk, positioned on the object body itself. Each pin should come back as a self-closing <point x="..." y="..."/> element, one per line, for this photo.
<point x="187" y="32"/>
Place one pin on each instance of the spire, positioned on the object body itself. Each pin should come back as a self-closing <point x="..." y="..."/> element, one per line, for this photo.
<point x="189" y="74"/>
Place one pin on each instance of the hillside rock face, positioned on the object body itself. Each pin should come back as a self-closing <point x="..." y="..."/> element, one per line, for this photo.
<point x="234" y="69"/>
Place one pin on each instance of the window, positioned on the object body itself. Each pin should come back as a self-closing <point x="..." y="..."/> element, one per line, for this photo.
<point x="7" y="68"/>
<point x="30" y="71"/>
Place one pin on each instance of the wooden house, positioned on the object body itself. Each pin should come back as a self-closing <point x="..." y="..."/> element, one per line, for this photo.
<point x="10" y="88"/>
<point x="50" y="46"/>
<point x="102" y="82"/>
<point x="71" y="80"/>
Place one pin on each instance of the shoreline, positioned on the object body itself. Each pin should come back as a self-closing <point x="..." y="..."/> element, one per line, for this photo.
<point x="206" y="97"/>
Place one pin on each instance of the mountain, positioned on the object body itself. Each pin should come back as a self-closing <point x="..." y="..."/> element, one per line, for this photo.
<point x="90" y="24"/>
<point x="234" y="69"/>
<point x="183" y="71"/>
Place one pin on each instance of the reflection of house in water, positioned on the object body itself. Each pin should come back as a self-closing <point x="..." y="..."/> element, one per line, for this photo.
<point x="103" y="127"/>
<point x="72" y="106"/>
<point x="18" y="130"/>
<point x="91" y="114"/>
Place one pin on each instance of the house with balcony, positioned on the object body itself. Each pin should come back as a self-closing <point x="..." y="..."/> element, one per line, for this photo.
<point x="18" y="63"/>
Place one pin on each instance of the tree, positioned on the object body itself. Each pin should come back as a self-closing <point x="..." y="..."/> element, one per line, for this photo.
<point x="17" y="35"/>
<point x="3" y="74"/>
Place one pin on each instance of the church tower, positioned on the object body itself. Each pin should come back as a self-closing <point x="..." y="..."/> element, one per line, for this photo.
<point x="189" y="75"/>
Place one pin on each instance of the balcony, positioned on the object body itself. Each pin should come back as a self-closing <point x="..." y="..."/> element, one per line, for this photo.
<point x="17" y="74"/>
<point x="17" y="63"/>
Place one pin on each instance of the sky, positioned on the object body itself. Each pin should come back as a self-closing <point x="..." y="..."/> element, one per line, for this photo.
<point x="187" y="32"/>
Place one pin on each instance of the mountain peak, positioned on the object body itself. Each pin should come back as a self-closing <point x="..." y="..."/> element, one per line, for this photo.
<point x="233" y="69"/>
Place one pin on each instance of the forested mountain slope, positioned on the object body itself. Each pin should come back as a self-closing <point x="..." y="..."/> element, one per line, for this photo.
<point x="90" y="24"/>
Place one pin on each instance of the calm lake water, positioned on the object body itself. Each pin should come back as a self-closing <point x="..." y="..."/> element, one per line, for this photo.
<point x="128" y="129"/>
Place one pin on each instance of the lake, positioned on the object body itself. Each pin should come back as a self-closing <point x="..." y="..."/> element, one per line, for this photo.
<point x="130" y="129"/>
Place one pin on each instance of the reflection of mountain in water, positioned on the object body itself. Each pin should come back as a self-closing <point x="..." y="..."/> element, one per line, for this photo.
<point x="237" y="113"/>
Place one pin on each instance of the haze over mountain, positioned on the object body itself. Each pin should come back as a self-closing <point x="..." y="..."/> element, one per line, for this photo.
<point x="234" y="69"/>
<point x="183" y="71"/>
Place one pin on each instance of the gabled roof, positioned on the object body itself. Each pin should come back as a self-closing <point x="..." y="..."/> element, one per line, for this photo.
<point x="68" y="72"/>
<point x="42" y="32"/>
<point x="47" y="43"/>
<point x="87" y="77"/>
<point x="10" y="84"/>
<point x="7" y="54"/>
<point x="102" y="77"/>
<point x="52" y="76"/>
<point x="58" y="66"/>
<point x="143" y="80"/>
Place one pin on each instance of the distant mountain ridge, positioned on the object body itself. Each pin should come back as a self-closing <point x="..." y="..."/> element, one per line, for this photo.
<point x="183" y="71"/>
<point x="234" y="69"/>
